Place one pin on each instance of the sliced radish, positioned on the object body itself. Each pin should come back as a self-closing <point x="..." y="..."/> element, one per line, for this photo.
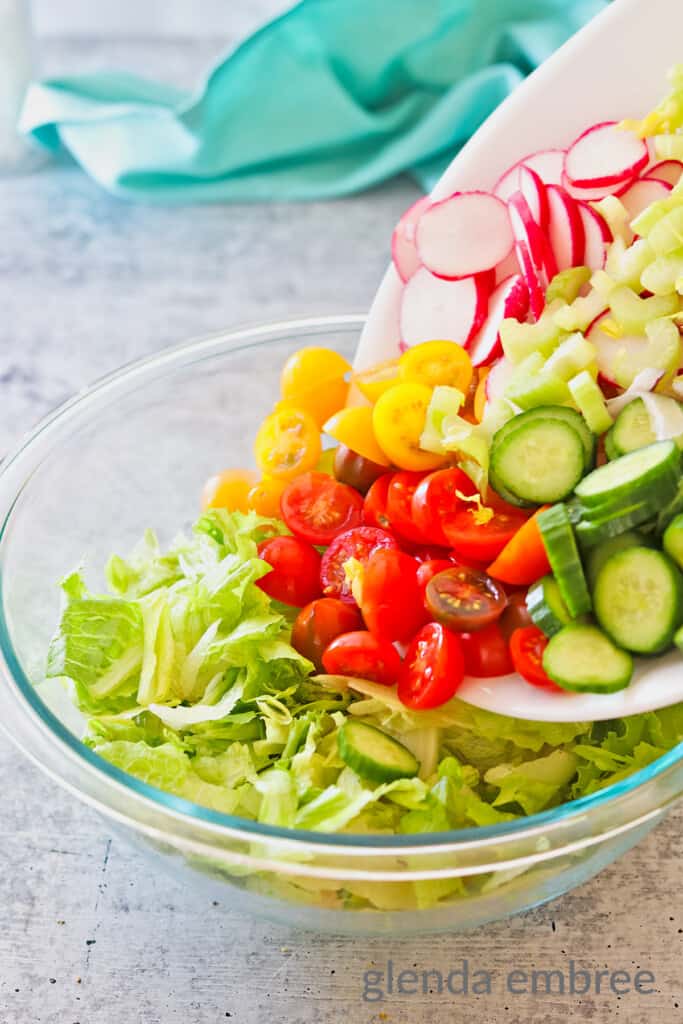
<point x="403" y="250"/>
<point x="498" y="379"/>
<point x="533" y="251"/>
<point x="639" y="195"/>
<point x="510" y="299"/>
<point x="605" y="154"/>
<point x="592" y="195"/>
<point x="510" y="265"/>
<point x="547" y="164"/>
<point x="666" y="170"/>
<point x="534" y="191"/>
<point x="463" y="235"/>
<point x="565" y="231"/>
<point x="432" y="308"/>
<point x="597" y="237"/>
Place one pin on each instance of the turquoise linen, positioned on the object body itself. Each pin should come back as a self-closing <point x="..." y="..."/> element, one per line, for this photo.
<point x="330" y="98"/>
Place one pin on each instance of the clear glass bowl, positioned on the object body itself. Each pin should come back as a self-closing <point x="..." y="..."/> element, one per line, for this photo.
<point x="133" y="452"/>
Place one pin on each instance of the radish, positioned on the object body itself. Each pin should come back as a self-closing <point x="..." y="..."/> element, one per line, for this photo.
<point x="533" y="190"/>
<point x="510" y="265"/>
<point x="498" y="379"/>
<point x="403" y="250"/>
<point x="566" y="231"/>
<point x="533" y="251"/>
<point x="432" y="308"/>
<point x="666" y="170"/>
<point x="597" y="237"/>
<point x="464" y="235"/>
<point x="639" y="195"/>
<point x="510" y="299"/>
<point x="592" y="195"/>
<point x="546" y="163"/>
<point x="603" y="155"/>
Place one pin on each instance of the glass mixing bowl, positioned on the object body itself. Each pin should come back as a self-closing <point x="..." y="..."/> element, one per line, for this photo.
<point x="133" y="452"/>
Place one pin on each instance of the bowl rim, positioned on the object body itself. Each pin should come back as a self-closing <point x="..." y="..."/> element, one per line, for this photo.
<point x="29" y="702"/>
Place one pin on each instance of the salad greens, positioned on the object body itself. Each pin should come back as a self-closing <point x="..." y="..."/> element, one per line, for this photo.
<point x="186" y="678"/>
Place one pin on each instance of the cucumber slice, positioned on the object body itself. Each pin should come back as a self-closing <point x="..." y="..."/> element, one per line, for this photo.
<point x="598" y="529"/>
<point x="638" y="599"/>
<point x="591" y="402"/>
<point x="554" y="412"/>
<point x="560" y="545"/>
<point x="582" y="658"/>
<point x="678" y="638"/>
<point x="633" y="428"/>
<point x="597" y="557"/>
<point x="610" y="447"/>
<point x="670" y="511"/>
<point x="672" y="540"/>
<point x="546" y="606"/>
<point x="542" y="461"/>
<point x="373" y="754"/>
<point x="650" y="474"/>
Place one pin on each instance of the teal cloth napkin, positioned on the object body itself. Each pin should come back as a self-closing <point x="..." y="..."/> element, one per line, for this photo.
<point x="330" y="98"/>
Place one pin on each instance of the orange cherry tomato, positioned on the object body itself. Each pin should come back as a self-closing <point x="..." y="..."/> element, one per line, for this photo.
<point x="264" y="496"/>
<point x="229" y="489"/>
<point x="315" y="379"/>
<point x="437" y="363"/>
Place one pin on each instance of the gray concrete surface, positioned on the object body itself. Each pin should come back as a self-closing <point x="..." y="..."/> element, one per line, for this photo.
<point x="92" y="933"/>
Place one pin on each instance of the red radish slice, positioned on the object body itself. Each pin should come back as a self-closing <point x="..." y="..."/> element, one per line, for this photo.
<point x="639" y="195"/>
<point x="403" y="250"/>
<point x="533" y="190"/>
<point x="510" y="299"/>
<point x="566" y="231"/>
<point x="432" y="308"/>
<point x="547" y="164"/>
<point x="498" y="379"/>
<point x="463" y="235"/>
<point x="592" y="195"/>
<point x="533" y="251"/>
<point x="603" y="155"/>
<point x="510" y="265"/>
<point x="597" y="237"/>
<point x="666" y="170"/>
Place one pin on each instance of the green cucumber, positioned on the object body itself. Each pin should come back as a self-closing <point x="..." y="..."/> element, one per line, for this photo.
<point x="546" y="606"/>
<point x="373" y="754"/>
<point x="633" y="428"/>
<point x="581" y="658"/>
<point x="638" y="599"/>
<point x="591" y="402"/>
<point x="678" y="638"/>
<point x="554" y="412"/>
<point x="597" y="556"/>
<point x="650" y="474"/>
<point x="560" y="545"/>
<point x="596" y="529"/>
<point x="672" y="509"/>
<point x="610" y="448"/>
<point x="541" y="461"/>
<point x="672" y="540"/>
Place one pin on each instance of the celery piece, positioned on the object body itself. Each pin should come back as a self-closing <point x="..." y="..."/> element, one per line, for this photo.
<point x="633" y="313"/>
<point x="669" y="147"/>
<point x="616" y="215"/>
<point x="667" y="234"/>
<point x="572" y="356"/>
<point x="591" y="402"/>
<point x="445" y="404"/>
<point x="531" y="385"/>
<point x="627" y="264"/>
<point x="567" y="284"/>
<point x="521" y="340"/>
<point x="652" y="214"/>
<point x="580" y="313"/>
<point x="662" y="275"/>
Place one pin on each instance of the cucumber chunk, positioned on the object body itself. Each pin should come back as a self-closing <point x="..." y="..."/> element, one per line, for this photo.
<point x="541" y="461"/>
<point x="582" y="658"/>
<point x="595" y="529"/>
<point x="673" y="540"/>
<point x="610" y="448"/>
<point x="597" y="557"/>
<point x="546" y="606"/>
<point x="554" y="412"/>
<point x="633" y="428"/>
<point x="373" y="754"/>
<point x="560" y="545"/>
<point x="638" y="599"/>
<point x="650" y="473"/>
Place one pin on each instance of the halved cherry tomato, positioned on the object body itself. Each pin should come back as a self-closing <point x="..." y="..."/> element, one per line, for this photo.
<point x="318" y="508"/>
<point x="465" y="600"/>
<point x="229" y="489"/>
<point x="398" y="420"/>
<point x="431" y="552"/>
<point x="472" y="536"/>
<point x="287" y="443"/>
<point x="435" y="501"/>
<point x="516" y="614"/>
<point x="428" y="569"/>
<point x="264" y="497"/>
<point x="523" y="560"/>
<point x="433" y="668"/>
<point x="526" y="648"/>
<point x="486" y="652"/>
<point x="375" y="504"/>
<point x="295" y="576"/>
<point x="355" y="470"/>
<point x="399" y="507"/>
<point x="391" y="600"/>
<point x="319" y="623"/>
<point x="353" y="427"/>
<point x="437" y="362"/>
<point x="374" y="381"/>
<point x="314" y="379"/>
<point x="358" y="544"/>
<point x="364" y="656"/>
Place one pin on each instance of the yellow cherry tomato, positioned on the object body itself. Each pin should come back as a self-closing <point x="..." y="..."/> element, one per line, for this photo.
<point x="437" y="362"/>
<point x="353" y="427"/>
<point x="228" y="489"/>
<point x="480" y="394"/>
<point x="398" y="419"/>
<point x="287" y="444"/>
<point x="315" y="379"/>
<point x="264" y="496"/>
<point x="374" y="381"/>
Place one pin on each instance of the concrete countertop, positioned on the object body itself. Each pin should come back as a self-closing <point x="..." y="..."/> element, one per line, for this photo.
<point x="90" y="931"/>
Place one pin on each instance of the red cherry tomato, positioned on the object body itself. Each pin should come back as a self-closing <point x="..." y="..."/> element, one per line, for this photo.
<point x="375" y="504"/>
<point x="364" y="656"/>
<point x="428" y="569"/>
<point x="295" y="576"/>
<point x="435" y="502"/>
<point x="391" y="598"/>
<point x="318" y="508"/>
<point x="465" y="600"/>
<point x="526" y="648"/>
<point x="358" y="543"/>
<point x="433" y="668"/>
<point x="516" y="614"/>
<point x="487" y="653"/>
<point x="482" y="541"/>
<point x="431" y="553"/>
<point x="402" y="487"/>
<point x="319" y="623"/>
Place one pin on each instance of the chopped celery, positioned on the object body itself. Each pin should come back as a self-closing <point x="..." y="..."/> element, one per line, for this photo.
<point x="531" y="385"/>
<point x="567" y="284"/>
<point x="521" y="340"/>
<point x="616" y="215"/>
<point x="581" y="312"/>
<point x="667" y="234"/>
<point x="661" y="351"/>
<point x="652" y="214"/>
<point x="661" y="277"/>
<point x="444" y="406"/>
<point x="591" y="402"/>
<point x="669" y="147"/>
<point x="633" y="313"/>
<point x="602" y="283"/>
<point x="667" y="117"/>
<point x="574" y="354"/>
<point x="626" y="264"/>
